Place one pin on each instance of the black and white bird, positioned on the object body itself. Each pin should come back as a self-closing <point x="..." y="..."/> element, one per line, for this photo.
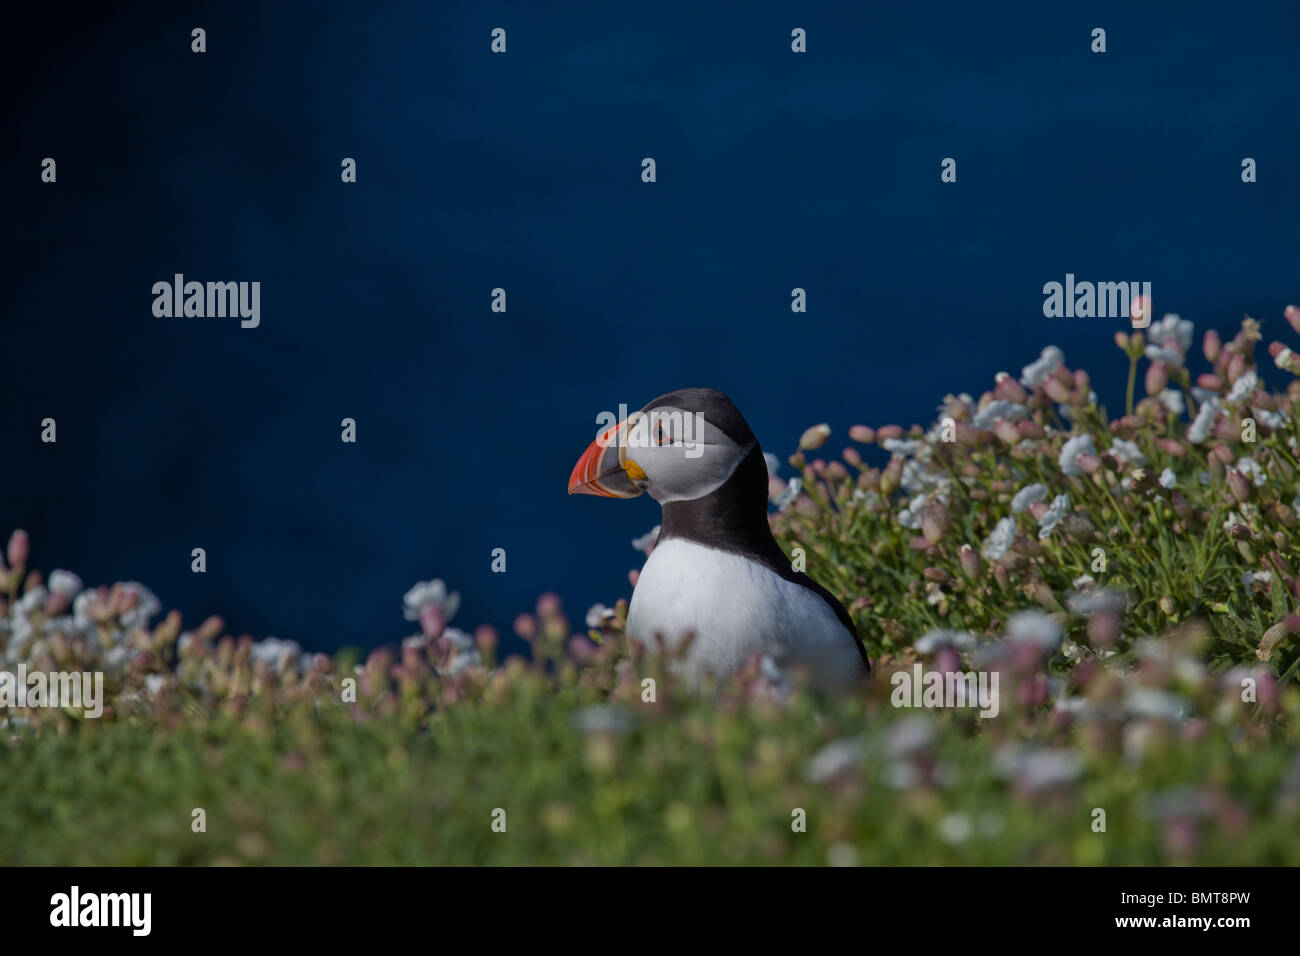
<point x="716" y="571"/>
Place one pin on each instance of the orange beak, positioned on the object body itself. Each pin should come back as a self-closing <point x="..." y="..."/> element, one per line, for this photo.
<point x="604" y="467"/>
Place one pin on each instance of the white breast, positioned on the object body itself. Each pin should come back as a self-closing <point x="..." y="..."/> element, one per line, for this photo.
<point x="737" y="608"/>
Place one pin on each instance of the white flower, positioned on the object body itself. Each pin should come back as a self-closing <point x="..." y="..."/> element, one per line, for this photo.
<point x="597" y="615"/>
<point x="1249" y="468"/>
<point x="835" y="761"/>
<point x="1038" y="371"/>
<point x="1037" y="768"/>
<point x="602" y="719"/>
<point x="1273" y="420"/>
<point x="1172" y="332"/>
<point x="916" y="477"/>
<point x="931" y="641"/>
<point x="902" y="446"/>
<point x="1169" y="357"/>
<point x="21" y="632"/>
<point x="1026" y="496"/>
<point x="279" y="654"/>
<point x="33" y="600"/>
<point x="464" y="653"/>
<point x="146" y="606"/>
<point x="65" y="582"/>
<point x="999" y="408"/>
<point x="1098" y="599"/>
<point x="1076" y="446"/>
<point x="1127" y="451"/>
<point x="773" y="463"/>
<point x="1172" y="400"/>
<point x="910" y="517"/>
<point x="1243" y="388"/>
<point x="1151" y="702"/>
<point x="999" y="540"/>
<point x="431" y="592"/>
<point x="646" y="542"/>
<point x="791" y="492"/>
<point x="909" y="737"/>
<point x="1035" y="627"/>
<point x="1204" y="422"/>
<point x="1167" y="478"/>
<point x="1256" y="577"/>
<point x="1058" y="510"/>
<point x="955" y="828"/>
<point x="865" y="497"/>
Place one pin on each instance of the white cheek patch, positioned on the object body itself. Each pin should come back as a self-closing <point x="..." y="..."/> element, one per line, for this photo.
<point x="678" y="478"/>
<point x="683" y="455"/>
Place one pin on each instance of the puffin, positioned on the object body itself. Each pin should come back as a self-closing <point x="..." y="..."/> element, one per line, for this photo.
<point x="716" y="572"/>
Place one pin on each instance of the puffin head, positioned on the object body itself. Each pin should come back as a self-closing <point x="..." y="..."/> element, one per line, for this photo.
<point x="680" y="447"/>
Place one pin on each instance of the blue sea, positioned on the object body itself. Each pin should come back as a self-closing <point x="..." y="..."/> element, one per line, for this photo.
<point x="522" y="171"/>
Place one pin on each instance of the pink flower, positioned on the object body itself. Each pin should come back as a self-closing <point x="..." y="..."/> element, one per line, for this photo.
<point x="1292" y="314"/>
<point x="19" y="549"/>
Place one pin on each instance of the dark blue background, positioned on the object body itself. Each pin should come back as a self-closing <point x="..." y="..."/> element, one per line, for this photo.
<point x="523" y="171"/>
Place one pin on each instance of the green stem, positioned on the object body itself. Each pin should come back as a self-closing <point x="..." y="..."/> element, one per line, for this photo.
<point x="1132" y="383"/>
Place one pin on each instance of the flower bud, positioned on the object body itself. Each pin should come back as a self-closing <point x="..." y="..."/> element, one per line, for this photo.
<point x="862" y="434"/>
<point x="1103" y="628"/>
<point x="1010" y="390"/>
<point x="891" y="477"/>
<point x="1292" y="314"/>
<point x="1057" y="391"/>
<point x="1236" y="366"/>
<point x="1157" y="378"/>
<point x="970" y="561"/>
<point x="815" y="437"/>
<point x="19" y="549"/>
<point x="1088" y="463"/>
<point x="1006" y="431"/>
<point x="1239" y="486"/>
<point x="1003" y="578"/>
<point x="935" y="520"/>
<point x="1030" y="429"/>
<point x="1211" y="345"/>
